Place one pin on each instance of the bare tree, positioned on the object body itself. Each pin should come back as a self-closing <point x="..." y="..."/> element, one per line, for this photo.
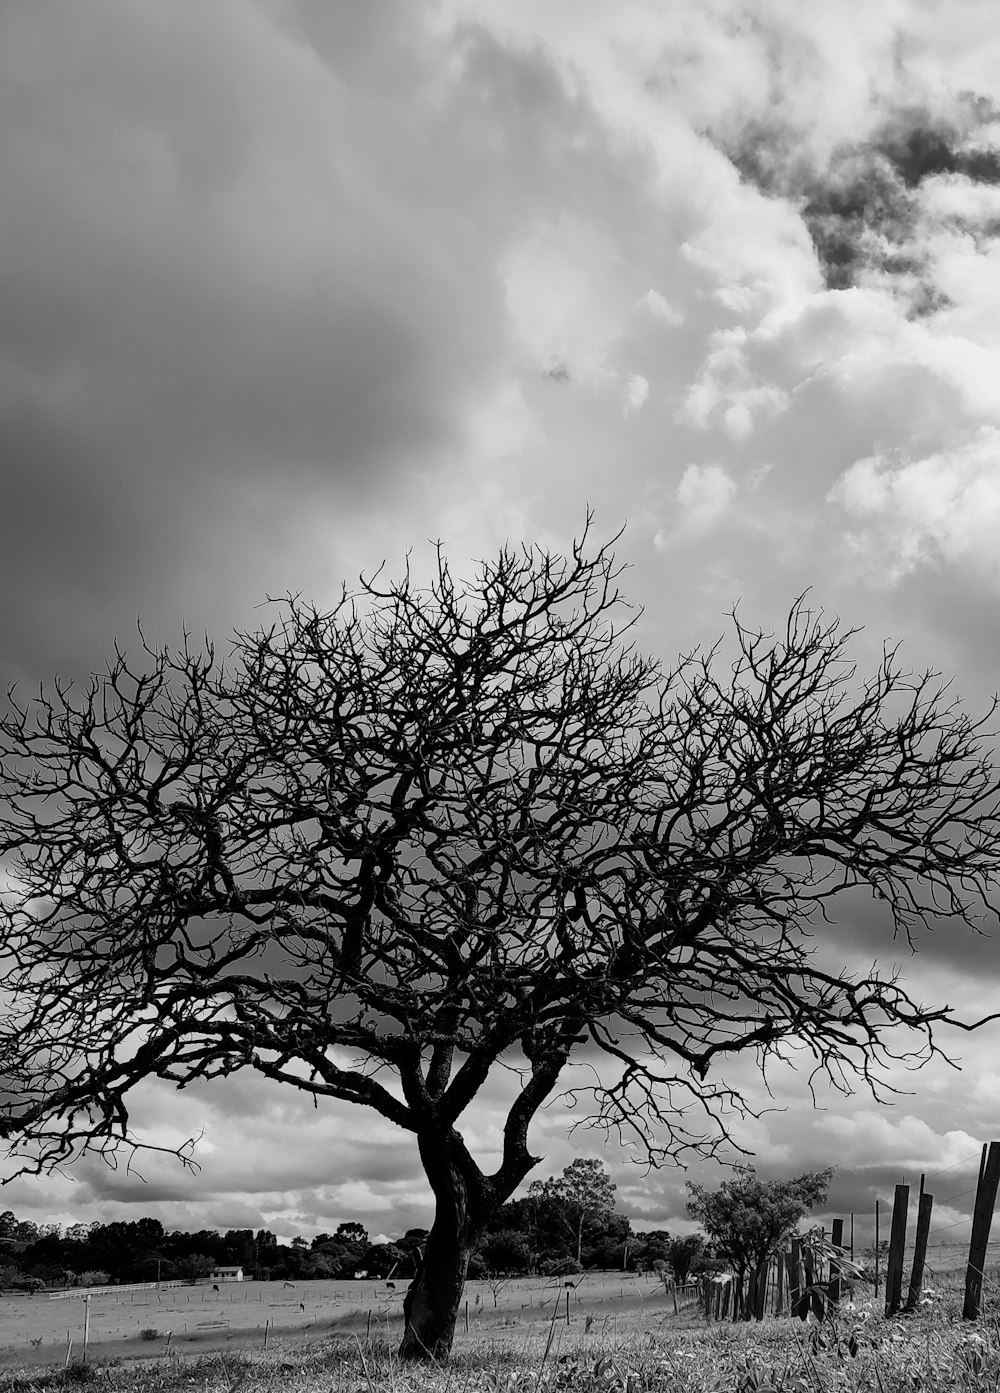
<point x="384" y="850"/>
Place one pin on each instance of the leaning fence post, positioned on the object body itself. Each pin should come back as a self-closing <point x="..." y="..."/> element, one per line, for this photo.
<point x="982" y="1218"/>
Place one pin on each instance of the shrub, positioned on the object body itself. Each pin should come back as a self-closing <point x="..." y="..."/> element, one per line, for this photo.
<point x="150" y="1333"/>
<point x="559" y="1267"/>
<point x="79" y="1372"/>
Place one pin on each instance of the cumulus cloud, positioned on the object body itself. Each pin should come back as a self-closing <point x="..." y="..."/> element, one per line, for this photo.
<point x="727" y="389"/>
<point x="660" y="308"/>
<point x="880" y="209"/>
<point x="636" y="392"/>
<point x="704" y="492"/>
<point x="943" y="508"/>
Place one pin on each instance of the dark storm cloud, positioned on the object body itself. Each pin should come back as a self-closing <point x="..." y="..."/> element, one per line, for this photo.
<point x="863" y="933"/>
<point x="96" y="1186"/>
<point x="863" y="208"/>
<point x="251" y="288"/>
<point x="222" y="286"/>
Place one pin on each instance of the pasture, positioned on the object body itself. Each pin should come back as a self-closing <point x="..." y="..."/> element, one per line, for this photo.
<point x="649" y="1352"/>
<point x="38" y="1330"/>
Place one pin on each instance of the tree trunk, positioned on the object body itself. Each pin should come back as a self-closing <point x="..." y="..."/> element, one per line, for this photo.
<point x="434" y="1298"/>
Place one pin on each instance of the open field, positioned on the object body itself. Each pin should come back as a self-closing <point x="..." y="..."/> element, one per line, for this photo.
<point x="622" y="1333"/>
<point x="37" y="1330"/>
<point x="859" y="1352"/>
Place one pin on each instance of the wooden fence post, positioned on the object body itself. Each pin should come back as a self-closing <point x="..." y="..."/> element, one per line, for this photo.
<point x="793" y="1262"/>
<point x="761" y="1296"/>
<point x="897" y="1248"/>
<point x="982" y="1218"/>
<point x="812" y="1296"/>
<point x="924" y="1207"/>
<point x="811" y="1274"/>
<point x="748" y="1295"/>
<point x="837" y="1239"/>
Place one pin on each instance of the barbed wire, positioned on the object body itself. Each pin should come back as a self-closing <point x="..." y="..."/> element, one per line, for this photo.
<point x="961" y="1195"/>
<point x="942" y="1228"/>
<point x="954" y="1166"/>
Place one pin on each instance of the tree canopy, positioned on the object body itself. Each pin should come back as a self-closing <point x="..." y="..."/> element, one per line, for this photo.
<point x="584" y="1193"/>
<point x="749" y="1220"/>
<point x="385" y="849"/>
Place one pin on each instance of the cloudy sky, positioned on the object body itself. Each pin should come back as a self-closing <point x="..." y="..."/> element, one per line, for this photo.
<point x="288" y="287"/>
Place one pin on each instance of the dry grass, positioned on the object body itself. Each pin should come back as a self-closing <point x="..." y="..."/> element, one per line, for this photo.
<point x="192" y="1320"/>
<point x="932" y="1351"/>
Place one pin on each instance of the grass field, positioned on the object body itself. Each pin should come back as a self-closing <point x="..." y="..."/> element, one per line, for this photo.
<point x="38" y="1329"/>
<point x="622" y="1336"/>
<point x="644" y="1350"/>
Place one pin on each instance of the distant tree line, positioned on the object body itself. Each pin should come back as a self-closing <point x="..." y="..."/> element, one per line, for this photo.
<point x="564" y="1225"/>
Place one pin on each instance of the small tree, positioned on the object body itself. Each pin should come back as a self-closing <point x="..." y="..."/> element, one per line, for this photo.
<point x="583" y="1195"/>
<point x="385" y="852"/>
<point x="506" y="1251"/>
<point x="385" y="1259"/>
<point x="682" y="1253"/>
<point x="190" y="1268"/>
<point x="750" y="1220"/>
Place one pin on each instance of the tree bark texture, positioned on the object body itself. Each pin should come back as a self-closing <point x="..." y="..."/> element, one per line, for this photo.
<point x="433" y="1301"/>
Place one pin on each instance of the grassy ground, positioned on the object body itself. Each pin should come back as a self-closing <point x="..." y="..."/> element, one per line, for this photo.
<point x="240" y="1315"/>
<point x="639" y="1348"/>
